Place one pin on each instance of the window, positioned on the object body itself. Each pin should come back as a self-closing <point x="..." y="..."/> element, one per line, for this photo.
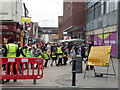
<point x="115" y="4"/>
<point x="107" y="6"/>
<point x="90" y="14"/>
<point x="102" y="7"/>
<point x="97" y="9"/>
<point x="110" y="5"/>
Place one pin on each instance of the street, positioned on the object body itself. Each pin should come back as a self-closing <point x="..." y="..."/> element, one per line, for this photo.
<point x="62" y="77"/>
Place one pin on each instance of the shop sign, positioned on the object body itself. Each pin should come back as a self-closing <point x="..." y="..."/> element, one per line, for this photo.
<point x="3" y="27"/>
<point x="26" y="19"/>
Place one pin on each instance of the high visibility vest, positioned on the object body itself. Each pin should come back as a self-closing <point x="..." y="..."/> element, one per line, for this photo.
<point x="59" y="50"/>
<point x="46" y="56"/>
<point x="40" y="56"/>
<point x="11" y="49"/>
<point x="53" y="54"/>
<point x="28" y="54"/>
<point x="86" y="53"/>
<point x="25" y="51"/>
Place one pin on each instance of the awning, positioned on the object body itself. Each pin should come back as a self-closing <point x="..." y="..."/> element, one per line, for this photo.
<point x="72" y="28"/>
<point x="72" y="40"/>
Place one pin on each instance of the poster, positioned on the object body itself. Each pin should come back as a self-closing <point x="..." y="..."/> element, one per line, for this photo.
<point x="99" y="56"/>
<point x="110" y="39"/>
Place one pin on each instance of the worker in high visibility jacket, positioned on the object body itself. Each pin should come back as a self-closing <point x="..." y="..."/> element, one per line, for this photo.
<point x="59" y="54"/>
<point x="38" y="54"/>
<point x="54" y="57"/>
<point x="29" y="54"/>
<point x="21" y="55"/>
<point x="11" y="50"/>
<point x="65" y="56"/>
<point x="46" y="57"/>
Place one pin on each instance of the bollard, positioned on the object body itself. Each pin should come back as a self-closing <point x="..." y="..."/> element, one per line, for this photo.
<point x="74" y="72"/>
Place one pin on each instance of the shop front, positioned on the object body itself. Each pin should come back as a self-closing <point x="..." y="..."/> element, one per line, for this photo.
<point x="10" y="29"/>
<point x="108" y="37"/>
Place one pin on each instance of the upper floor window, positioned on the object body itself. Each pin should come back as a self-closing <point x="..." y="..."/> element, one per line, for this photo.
<point x="110" y="5"/>
<point x="97" y="9"/>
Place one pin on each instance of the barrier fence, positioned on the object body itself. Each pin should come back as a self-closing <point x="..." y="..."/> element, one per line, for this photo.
<point x="15" y="68"/>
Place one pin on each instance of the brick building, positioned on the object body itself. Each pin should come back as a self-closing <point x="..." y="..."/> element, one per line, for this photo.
<point x="73" y="20"/>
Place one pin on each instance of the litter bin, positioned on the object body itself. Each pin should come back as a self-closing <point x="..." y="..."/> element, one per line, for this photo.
<point x="78" y="64"/>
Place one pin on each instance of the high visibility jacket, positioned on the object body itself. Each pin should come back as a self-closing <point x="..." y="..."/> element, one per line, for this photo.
<point x="28" y="54"/>
<point x="40" y="56"/>
<point x="46" y="56"/>
<point x="25" y="51"/>
<point x="59" y="50"/>
<point x="11" y="49"/>
<point x="53" y="54"/>
<point x="86" y="53"/>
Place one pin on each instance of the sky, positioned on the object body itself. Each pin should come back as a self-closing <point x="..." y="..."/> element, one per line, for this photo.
<point x="45" y="12"/>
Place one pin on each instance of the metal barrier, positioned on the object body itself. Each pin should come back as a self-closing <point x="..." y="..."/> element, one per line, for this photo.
<point x="25" y="74"/>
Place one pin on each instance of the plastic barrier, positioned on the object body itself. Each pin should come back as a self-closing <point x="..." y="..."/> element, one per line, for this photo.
<point x="25" y="74"/>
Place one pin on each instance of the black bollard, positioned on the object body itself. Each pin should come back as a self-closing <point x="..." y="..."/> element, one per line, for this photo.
<point x="74" y="72"/>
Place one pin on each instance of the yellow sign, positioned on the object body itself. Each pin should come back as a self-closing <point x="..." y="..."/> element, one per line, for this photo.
<point x="26" y="19"/>
<point x="99" y="56"/>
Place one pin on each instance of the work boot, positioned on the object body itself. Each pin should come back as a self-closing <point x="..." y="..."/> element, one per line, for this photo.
<point x="15" y="80"/>
<point x="8" y="80"/>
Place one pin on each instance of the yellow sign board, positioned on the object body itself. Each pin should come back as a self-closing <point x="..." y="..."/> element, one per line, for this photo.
<point x="99" y="56"/>
<point x="26" y="19"/>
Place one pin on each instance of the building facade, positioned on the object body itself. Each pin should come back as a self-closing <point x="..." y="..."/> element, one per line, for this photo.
<point x="10" y="29"/>
<point x="101" y="23"/>
<point x="50" y="32"/>
<point x="73" y="20"/>
<point x="10" y="20"/>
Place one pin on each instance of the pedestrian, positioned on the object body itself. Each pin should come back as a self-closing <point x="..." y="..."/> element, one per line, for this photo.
<point x="38" y="54"/>
<point x="65" y="56"/>
<point x="59" y="54"/>
<point x="83" y="51"/>
<point x="21" y="55"/>
<point x="29" y="54"/>
<point x="11" y="50"/>
<point x="70" y="45"/>
<point x="76" y="47"/>
<point x="89" y="67"/>
<point x="48" y="48"/>
<point x="72" y="54"/>
<point x="3" y="64"/>
<point x="54" y="57"/>
<point x="46" y="57"/>
<point x="43" y="47"/>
